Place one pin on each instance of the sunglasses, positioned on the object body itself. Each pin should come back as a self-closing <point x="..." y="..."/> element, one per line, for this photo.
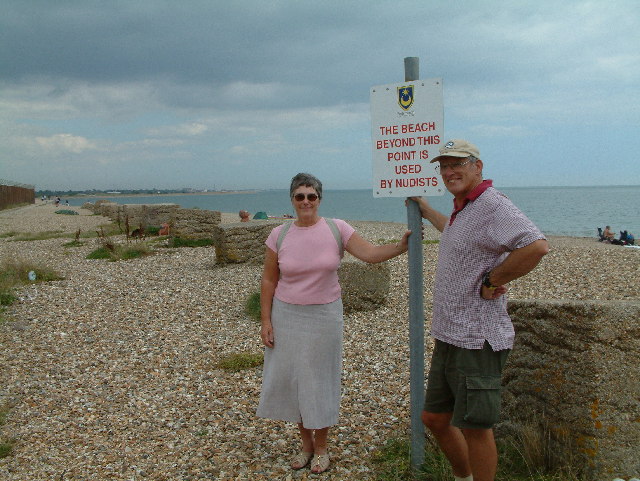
<point x="310" y="197"/>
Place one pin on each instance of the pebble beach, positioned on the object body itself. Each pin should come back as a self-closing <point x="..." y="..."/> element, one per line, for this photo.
<point x="112" y="372"/>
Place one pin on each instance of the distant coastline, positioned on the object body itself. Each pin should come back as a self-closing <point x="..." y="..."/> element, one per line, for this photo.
<point x="583" y="209"/>
<point x="166" y="194"/>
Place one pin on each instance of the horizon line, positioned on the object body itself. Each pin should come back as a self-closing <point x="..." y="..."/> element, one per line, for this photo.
<point x="202" y="191"/>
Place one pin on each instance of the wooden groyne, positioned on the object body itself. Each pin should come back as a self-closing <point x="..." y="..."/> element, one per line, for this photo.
<point x="12" y="193"/>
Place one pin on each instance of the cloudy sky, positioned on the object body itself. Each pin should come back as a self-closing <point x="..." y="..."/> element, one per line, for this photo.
<point x="212" y="94"/>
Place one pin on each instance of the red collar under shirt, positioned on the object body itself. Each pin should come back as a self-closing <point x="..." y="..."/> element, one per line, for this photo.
<point x="473" y="195"/>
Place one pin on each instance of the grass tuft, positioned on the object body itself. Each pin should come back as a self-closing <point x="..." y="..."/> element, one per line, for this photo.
<point x="518" y="461"/>
<point x="106" y="230"/>
<point x="73" y="243"/>
<point x="252" y="306"/>
<point x="152" y="230"/>
<point x="16" y="273"/>
<point x="241" y="361"/>
<point x="36" y="236"/>
<point x="392" y="461"/>
<point x="133" y="252"/>
<point x="100" y="253"/>
<point x="6" y="298"/>
<point x="182" y="242"/>
<point x="395" y="241"/>
<point x="14" y="206"/>
<point x="6" y="446"/>
<point x="119" y="252"/>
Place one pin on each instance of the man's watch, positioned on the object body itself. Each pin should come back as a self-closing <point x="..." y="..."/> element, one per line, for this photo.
<point x="486" y="282"/>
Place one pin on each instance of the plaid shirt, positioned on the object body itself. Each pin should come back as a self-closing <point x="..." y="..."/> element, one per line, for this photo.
<point x="481" y="234"/>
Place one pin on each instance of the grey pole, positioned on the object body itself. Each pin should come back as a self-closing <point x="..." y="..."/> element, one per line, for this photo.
<point x="416" y="308"/>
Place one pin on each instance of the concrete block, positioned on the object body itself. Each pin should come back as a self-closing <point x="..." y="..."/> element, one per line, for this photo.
<point x="365" y="286"/>
<point x="575" y="366"/>
<point x="241" y="242"/>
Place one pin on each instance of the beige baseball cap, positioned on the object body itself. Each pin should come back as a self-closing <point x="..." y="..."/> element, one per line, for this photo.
<point x="457" y="148"/>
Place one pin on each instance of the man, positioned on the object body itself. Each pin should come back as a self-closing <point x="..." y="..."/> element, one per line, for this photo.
<point x="485" y="243"/>
<point x="608" y="234"/>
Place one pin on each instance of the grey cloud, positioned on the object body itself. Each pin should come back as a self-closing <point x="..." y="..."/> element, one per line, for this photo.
<point x="120" y="70"/>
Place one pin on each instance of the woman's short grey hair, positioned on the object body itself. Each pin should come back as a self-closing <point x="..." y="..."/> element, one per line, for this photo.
<point x="306" y="180"/>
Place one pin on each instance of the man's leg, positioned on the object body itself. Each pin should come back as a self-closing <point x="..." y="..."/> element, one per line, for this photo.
<point x="451" y="441"/>
<point x="477" y="406"/>
<point x="483" y="454"/>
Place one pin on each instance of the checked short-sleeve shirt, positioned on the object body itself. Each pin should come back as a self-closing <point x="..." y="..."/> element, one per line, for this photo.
<point x="477" y="239"/>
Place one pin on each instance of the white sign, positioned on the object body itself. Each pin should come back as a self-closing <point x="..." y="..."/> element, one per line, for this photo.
<point x="407" y="128"/>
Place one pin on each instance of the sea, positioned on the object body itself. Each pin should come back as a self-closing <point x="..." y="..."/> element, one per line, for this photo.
<point x="558" y="211"/>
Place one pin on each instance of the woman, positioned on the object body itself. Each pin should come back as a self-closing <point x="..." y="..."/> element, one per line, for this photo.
<point x="301" y="312"/>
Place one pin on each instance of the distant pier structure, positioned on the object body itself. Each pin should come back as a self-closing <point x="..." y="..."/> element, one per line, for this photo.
<point x="13" y="193"/>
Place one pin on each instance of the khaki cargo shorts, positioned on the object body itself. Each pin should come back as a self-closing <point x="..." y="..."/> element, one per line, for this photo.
<point x="467" y="383"/>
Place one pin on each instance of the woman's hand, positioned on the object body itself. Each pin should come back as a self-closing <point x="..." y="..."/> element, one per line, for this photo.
<point x="266" y="332"/>
<point x="403" y="245"/>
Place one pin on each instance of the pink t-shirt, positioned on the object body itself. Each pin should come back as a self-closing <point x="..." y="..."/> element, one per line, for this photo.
<point x="308" y="260"/>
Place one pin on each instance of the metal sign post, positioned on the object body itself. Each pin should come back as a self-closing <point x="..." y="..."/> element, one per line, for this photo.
<point x="416" y="309"/>
<point x="406" y="130"/>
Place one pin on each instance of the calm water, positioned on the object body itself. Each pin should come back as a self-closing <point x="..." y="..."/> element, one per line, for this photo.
<point x="569" y="211"/>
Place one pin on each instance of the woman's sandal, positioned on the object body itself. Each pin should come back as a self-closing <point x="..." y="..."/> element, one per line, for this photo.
<point x="301" y="459"/>
<point x="320" y="463"/>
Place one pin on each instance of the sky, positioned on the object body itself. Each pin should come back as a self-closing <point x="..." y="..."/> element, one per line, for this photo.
<point x="211" y="94"/>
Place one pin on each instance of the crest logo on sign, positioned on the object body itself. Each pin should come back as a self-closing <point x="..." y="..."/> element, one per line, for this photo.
<point x="405" y="97"/>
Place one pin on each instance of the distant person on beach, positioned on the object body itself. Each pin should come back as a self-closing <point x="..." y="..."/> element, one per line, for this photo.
<point x="625" y="239"/>
<point x="302" y="318"/>
<point x="608" y="234"/>
<point x="629" y="239"/>
<point x="244" y="216"/>
<point x="486" y="242"/>
<point x="164" y="229"/>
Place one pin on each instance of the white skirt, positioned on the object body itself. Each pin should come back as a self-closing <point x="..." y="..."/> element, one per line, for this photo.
<point x="302" y="372"/>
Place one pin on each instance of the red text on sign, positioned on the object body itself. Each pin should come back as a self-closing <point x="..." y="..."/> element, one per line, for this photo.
<point x="408" y="169"/>
<point x="414" y="182"/>
<point x="389" y="144"/>
<point x="417" y="182"/>
<point x="407" y="142"/>
<point x="431" y="140"/>
<point x="392" y="129"/>
<point x="407" y="128"/>
<point x="422" y="127"/>
<point x="407" y="155"/>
